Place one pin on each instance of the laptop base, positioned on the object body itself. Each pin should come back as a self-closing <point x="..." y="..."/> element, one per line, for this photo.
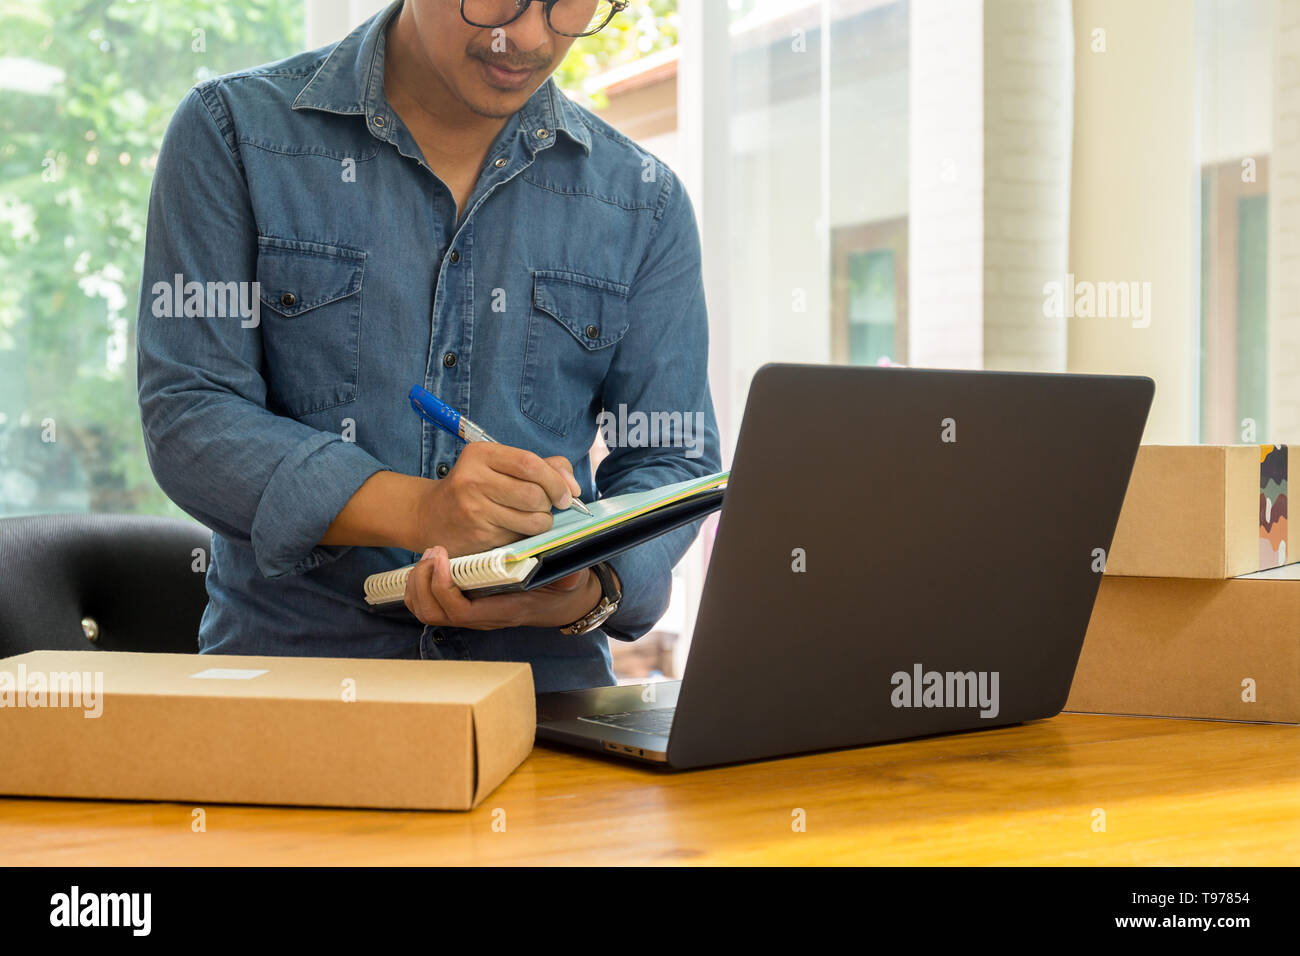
<point x="566" y="717"/>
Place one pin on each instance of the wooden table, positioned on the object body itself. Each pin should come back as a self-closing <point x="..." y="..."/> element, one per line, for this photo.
<point x="1172" y="792"/>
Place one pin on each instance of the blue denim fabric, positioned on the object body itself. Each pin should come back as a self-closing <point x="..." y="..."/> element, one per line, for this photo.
<point x="572" y="283"/>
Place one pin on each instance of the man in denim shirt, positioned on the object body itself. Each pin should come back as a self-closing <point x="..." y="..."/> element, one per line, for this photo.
<point x="416" y="204"/>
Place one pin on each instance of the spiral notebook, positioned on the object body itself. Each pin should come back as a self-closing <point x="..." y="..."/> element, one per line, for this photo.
<point x="574" y="542"/>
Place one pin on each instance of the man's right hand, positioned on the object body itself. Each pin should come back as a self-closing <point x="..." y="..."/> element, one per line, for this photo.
<point x="493" y="495"/>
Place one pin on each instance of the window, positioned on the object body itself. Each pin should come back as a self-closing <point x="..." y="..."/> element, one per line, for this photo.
<point x="869" y="293"/>
<point x="1234" y="62"/>
<point x="88" y="89"/>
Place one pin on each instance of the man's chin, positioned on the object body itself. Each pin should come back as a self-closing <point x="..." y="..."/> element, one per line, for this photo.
<point x="483" y="100"/>
<point x="494" y="107"/>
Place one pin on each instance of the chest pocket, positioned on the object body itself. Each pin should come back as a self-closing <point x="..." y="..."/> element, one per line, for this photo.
<point x="573" y="325"/>
<point x="311" y="322"/>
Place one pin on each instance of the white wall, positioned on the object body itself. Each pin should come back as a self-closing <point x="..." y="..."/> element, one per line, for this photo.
<point x="1235" y="49"/>
<point x="1028" y="113"/>
<point x="1135" y="196"/>
<point x="946" y="188"/>
<point x="1284" y="231"/>
<point x="868" y="149"/>
<point x="331" y="20"/>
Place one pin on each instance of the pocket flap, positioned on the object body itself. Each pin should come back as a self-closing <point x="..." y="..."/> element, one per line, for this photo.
<point x="295" y="276"/>
<point x="595" y="311"/>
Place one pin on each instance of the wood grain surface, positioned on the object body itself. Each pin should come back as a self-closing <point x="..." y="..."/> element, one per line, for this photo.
<point x="1172" y="792"/>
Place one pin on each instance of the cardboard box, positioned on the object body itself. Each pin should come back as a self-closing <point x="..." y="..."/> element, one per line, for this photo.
<point x="429" y="735"/>
<point x="1172" y="647"/>
<point x="1203" y="511"/>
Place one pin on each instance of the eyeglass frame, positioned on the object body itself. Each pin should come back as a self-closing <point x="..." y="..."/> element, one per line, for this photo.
<point x="616" y="7"/>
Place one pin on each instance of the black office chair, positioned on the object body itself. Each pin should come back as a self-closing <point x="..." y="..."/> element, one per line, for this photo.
<point x="100" y="581"/>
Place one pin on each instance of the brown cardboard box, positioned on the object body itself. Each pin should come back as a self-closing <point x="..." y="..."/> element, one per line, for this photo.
<point x="1172" y="647"/>
<point x="1203" y="511"/>
<point x="429" y="735"/>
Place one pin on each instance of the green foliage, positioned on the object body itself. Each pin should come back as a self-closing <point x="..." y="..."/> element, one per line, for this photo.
<point x="646" y="26"/>
<point x="88" y="87"/>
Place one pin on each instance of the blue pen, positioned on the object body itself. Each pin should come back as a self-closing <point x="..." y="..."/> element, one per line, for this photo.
<point x="435" y="410"/>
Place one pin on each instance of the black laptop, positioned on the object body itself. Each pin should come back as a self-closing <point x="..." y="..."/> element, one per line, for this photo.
<point x="900" y="553"/>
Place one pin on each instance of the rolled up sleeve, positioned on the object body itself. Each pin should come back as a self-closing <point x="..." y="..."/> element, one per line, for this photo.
<point x="215" y="449"/>
<point x="661" y="366"/>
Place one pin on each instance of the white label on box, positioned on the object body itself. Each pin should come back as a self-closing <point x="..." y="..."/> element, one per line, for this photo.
<point x="228" y="673"/>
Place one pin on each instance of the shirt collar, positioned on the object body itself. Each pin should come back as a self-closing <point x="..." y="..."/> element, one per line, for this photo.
<point x="351" y="82"/>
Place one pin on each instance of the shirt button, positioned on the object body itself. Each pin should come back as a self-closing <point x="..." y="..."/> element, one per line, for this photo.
<point x="543" y="133"/>
<point x="442" y="470"/>
<point x="592" y="332"/>
<point x="500" y="162"/>
<point x="288" y="300"/>
<point x="449" y="360"/>
<point x="380" y="121"/>
<point x="454" y="257"/>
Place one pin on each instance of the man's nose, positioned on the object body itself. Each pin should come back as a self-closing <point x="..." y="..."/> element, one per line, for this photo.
<point x="529" y="32"/>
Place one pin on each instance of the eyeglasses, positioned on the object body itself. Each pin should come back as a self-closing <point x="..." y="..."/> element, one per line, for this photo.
<point x="570" y="18"/>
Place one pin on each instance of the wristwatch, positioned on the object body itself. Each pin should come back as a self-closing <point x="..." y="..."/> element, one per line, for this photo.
<point x="611" y="595"/>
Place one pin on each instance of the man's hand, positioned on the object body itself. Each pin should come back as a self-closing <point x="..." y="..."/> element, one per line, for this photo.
<point x="432" y="596"/>
<point x="493" y="495"/>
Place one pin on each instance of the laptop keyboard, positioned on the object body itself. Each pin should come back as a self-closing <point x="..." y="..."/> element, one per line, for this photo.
<point x="658" y="721"/>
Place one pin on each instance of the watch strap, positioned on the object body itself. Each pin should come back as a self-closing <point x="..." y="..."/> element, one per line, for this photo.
<point x="610" y="595"/>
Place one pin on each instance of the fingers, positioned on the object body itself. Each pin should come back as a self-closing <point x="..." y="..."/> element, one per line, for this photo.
<point x="525" y="524"/>
<point x="433" y="597"/>
<point x="516" y="494"/>
<point x="517" y="479"/>
<point x="453" y="604"/>
<point x="565" y="468"/>
<point x="524" y="466"/>
<point x="419" y="591"/>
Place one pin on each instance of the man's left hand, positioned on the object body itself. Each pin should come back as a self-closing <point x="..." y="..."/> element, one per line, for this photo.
<point x="432" y="596"/>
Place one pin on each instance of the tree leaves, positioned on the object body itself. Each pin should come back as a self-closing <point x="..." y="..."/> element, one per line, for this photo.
<point x="88" y="88"/>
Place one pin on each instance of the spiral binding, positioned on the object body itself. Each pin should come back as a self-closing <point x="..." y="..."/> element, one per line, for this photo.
<point x="468" y="572"/>
<point x="476" y="570"/>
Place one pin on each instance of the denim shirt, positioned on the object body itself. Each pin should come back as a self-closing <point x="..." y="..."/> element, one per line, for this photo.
<point x="571" y="284"/>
